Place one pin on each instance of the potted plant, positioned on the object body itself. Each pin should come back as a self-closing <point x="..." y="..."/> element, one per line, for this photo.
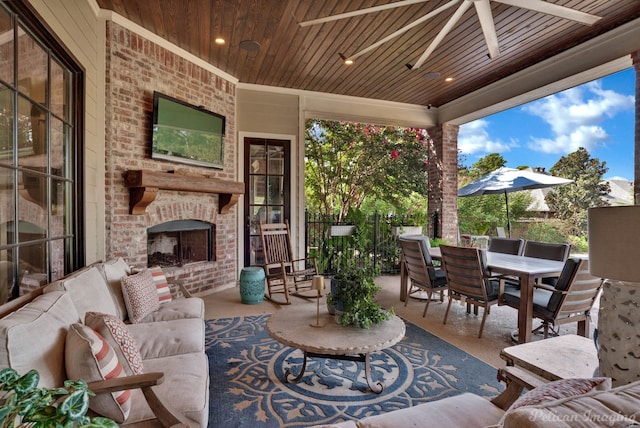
<point x="352" y="293"/>
<point x="22" y="403"/>
<point x="353" y="287"/>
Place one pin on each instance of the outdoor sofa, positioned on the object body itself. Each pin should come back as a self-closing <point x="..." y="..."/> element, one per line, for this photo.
<point x="158" y="348"/>
<point x="563" y="403"/>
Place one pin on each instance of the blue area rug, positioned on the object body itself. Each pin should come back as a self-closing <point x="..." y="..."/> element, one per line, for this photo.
<point x="246" y="369"/>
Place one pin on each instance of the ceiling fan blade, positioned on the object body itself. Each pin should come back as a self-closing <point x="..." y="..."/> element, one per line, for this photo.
<point x="359" y="12"/>
<point x="483" y="9"/>
<point x="441" y="35"/>
<point x="404" y="29"/>
<point x="554" y="9"/>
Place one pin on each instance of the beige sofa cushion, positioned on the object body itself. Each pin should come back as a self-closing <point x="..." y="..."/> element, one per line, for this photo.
<point x="185" y="387"/>
<point x="33" y="337"/>
<point x="192" y="307"/>
<point x="114" y="270"/>
<point x="464" y="410"/>
<point x="89" y="291"/>
<point x="165" y="338"/>
<point x="617" y="407"/>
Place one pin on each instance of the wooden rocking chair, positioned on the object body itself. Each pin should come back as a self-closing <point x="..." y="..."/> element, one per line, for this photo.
<point x="284" y="273"/>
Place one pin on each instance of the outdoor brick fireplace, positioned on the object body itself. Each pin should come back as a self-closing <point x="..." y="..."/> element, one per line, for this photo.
<point x="180" y="242"/>
<point x="182" y="217"/>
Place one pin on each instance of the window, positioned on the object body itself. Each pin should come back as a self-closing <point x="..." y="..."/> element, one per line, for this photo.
<point x="40" y="197"/>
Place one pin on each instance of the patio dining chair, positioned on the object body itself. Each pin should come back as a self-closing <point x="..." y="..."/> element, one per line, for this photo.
<point x="569" y="301"/>
<point x="419" y="270"/>
<point x="506" y="245"/>
<point x="549" y="251"/>
<point x="284" y="273"/>
<point x="468" y="279"/>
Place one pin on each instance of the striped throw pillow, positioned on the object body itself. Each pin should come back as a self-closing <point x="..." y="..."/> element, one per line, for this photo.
<point x="116" y="333"/>
<point x="88" y="356"/>
<point x="162" y="285"/>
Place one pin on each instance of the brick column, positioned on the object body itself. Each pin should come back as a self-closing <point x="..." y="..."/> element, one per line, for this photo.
<point x="636" y="167"/>
<point x="443" y="182"/>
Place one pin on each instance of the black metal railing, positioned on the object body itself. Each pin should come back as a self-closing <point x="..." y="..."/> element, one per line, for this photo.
<point x="380" y="240"/>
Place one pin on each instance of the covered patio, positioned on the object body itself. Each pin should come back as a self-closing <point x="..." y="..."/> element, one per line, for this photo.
<point x="273" y="73"/>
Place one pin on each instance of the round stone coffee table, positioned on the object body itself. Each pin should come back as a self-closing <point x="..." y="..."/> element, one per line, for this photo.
<point x="292" y="326"/>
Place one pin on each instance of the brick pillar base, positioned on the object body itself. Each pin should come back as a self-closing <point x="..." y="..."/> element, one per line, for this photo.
<point x="443" y="182"/>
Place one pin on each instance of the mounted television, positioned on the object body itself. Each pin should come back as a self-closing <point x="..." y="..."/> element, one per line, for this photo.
<point x="185" y="133"/>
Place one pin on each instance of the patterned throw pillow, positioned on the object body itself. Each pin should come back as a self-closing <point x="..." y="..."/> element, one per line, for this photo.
<point x="558" y="389"/>
<point x="162" y="285"/>
<point x="116" y="333"/>
<point x="140" y="295"/>
<point x="89" y="357"/>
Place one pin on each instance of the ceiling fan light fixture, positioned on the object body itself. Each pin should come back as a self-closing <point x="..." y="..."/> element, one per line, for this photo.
<point x="347" y="61"/>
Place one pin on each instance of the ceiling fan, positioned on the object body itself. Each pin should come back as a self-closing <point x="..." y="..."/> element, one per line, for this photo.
<point x="483" y="10"/>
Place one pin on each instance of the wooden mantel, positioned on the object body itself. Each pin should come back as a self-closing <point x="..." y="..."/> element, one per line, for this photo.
<point x="144" y="185"/>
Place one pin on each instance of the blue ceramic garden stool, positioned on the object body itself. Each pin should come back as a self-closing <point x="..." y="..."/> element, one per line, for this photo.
<point x="252" y="285"/>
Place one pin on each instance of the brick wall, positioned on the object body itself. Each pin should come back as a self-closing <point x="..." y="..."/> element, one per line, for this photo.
<point x="443" y="181"/>
<point x="135" y="68"/>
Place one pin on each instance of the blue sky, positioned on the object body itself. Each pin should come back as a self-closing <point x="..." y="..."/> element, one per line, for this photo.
<point x="598" y="116"/>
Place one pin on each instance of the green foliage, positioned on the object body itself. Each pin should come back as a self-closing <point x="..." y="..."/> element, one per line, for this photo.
<point x="353" y="291"/>
<point x="24" y="404"/>
<point x="571" y="201"/>
<point x="545" y="231"/>
<point x="487" y="164"/>
<point x="348" y="163"/>
<point x="480" y="215"/>
<point x="353" y="286"/>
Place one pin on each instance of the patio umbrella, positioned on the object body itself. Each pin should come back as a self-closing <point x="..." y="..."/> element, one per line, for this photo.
<point x="506" y="180"/>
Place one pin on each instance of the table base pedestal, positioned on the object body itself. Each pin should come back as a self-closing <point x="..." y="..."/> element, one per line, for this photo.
<point x="360" y="358"/>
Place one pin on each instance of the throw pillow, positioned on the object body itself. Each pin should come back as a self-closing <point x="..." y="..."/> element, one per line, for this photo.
<point x="116" y="333"/>
<point x="162" y="285"/>
<point x="140" y="295"/>
<point x="563" y="388"/>
<point x="89" y="357"/>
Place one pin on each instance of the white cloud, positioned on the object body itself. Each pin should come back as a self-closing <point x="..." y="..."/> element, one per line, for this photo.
<point x="575" y="117"/>
<point x="473" y="137"/>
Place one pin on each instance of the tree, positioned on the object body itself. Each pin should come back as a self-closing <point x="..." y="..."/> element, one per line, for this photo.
<point x="349" y="163"/>
<point x="487" y="164"/>
<point x="570" y="202"/>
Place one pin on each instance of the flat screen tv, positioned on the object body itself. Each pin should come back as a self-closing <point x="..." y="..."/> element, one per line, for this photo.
<point x="187" y="134"/>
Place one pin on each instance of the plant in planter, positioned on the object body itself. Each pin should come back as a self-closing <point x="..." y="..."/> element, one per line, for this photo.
<point x="352" y="293"/>
<point x="353" y="288"/>
<point x="22" y="403"/>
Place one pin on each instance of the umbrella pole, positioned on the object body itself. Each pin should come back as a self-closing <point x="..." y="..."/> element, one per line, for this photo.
<point x="506" y="200"/>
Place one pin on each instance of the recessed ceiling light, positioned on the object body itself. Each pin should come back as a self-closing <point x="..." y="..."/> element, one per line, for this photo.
<point x="449" y="79"/>
<point x="250" y="45"/>
<point x="219" y="41"/>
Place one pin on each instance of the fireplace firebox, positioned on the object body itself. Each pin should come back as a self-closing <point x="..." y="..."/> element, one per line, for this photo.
<point x="180" y="242"/>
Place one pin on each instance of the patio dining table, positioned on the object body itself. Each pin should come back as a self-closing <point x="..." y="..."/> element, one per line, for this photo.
<point x="528" y="269"/>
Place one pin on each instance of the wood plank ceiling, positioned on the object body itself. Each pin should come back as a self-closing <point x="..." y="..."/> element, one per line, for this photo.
<point x="308" y="58"/>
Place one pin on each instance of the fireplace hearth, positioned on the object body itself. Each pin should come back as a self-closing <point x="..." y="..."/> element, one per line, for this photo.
<point x="180" y="242"/>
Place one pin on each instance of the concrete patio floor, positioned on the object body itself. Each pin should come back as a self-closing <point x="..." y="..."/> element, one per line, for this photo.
<point x="461" y="329"/>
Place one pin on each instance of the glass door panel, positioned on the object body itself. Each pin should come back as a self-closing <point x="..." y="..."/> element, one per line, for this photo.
<point x="267" y="195"/>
